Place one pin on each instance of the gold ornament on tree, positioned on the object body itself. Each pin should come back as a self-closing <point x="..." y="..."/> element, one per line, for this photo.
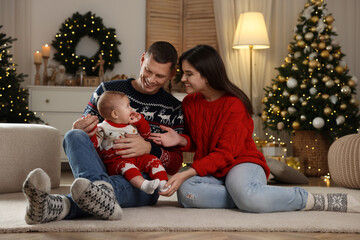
<point x="351" y="83"/>
<point x="264" y="116"/>
<point x="343" y="106"/>
<point x="325" y="78"/>
<point x="295" y="125"/>
<point x="276" y="109"/>
<point x="283" y="113"/>
<point x="339" y="69"/>
<point x="280" y="125"/>
<point x="321" y="45"/>
<point x="281" y="79"/>
<point x="314" y="19"/>
<point x="301" y="43"/>
<point x="329" y="19"/>
<point x="313" y="64"/>
<point x="318" y="3"/>
<point x="327" y="111"/>
<point x="324" y="54"/>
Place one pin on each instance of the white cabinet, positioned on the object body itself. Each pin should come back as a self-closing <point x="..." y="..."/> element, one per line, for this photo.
<point x="59" y="106"/>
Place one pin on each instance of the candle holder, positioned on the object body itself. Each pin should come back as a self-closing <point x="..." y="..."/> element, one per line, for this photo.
<point x="37" y="75"/>
<point x="45" y="76"/>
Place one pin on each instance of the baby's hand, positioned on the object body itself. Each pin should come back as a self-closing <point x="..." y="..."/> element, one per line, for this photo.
<point x="134" y="117"/>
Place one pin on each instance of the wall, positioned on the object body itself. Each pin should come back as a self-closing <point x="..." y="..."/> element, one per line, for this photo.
<point x="126" y="17"/>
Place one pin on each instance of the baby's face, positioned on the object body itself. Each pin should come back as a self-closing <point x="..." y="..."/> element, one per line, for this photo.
<point x="124" y="110"/>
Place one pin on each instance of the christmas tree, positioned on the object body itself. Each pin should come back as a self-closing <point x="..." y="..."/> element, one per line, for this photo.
<point x="13" y="98"/>
<point x="313" y="90"/>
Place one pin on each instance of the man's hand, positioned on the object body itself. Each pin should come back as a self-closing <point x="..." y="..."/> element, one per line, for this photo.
<point x="133" y="145"/>
<point x="87" y="124"/>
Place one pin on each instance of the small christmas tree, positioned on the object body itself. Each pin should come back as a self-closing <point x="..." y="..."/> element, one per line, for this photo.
<point x="13" y="98"/>
<point x="313" y="90"/>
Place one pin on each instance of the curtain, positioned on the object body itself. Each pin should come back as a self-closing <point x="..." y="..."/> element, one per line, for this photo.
<point x="281" y="17"/>
<point x="15" y="17"/>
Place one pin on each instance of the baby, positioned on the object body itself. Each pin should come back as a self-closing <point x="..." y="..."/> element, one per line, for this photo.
<point x="120" y="119"/>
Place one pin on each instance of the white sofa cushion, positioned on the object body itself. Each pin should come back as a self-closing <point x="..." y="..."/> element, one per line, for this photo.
<point x="24" y="147"/>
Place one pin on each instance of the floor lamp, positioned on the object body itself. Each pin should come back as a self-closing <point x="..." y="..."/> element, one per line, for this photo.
<point x="251" y="33"/>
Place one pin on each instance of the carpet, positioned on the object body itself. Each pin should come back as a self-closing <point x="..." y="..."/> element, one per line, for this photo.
<point x="167" y="215"/>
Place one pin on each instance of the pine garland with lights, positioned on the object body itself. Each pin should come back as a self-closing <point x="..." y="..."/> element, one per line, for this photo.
<point x="13" y="98"/>
<point x="71" y="32"/>
<point x="313" y="90"/>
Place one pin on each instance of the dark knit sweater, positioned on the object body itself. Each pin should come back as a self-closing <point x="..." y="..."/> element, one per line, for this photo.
<point x="158" y="109"/>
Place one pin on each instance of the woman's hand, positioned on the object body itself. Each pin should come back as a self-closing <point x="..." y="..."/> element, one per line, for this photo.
<point x="176" y="181"/>
<point x="168" y="139"/>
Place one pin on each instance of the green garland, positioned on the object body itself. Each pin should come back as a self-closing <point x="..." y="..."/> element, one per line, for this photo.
<point x="72" y="30"/>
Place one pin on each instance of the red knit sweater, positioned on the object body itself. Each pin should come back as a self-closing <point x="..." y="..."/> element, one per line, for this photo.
<point x="221" y="135"/>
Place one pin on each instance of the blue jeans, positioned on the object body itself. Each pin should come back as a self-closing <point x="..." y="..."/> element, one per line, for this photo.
<point x="86" y="163"/>
<point x="243" y="187"/>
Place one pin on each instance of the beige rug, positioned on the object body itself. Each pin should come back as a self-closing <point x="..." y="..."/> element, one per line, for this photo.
<point x="167" y="215"/>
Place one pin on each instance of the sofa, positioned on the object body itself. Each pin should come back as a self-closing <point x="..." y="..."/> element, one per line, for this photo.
<point x="24" y="147"/>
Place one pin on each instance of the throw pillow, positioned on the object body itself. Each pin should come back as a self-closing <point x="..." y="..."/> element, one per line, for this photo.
<point x="285" y="174"/>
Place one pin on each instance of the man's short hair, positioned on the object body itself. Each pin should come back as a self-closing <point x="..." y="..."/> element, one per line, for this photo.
<point x="163" y="52"/>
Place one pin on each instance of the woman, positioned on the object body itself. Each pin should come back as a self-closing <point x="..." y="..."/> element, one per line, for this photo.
<point x="228" y="171"/>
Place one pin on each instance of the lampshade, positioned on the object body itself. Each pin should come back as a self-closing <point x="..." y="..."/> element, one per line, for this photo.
<point x="251" y="30"/>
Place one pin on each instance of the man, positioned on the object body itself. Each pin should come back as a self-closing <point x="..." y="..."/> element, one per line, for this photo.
<point x="93" y="192"/>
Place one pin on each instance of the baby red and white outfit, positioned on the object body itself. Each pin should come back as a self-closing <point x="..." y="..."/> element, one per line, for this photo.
<point x="130" y="167"/>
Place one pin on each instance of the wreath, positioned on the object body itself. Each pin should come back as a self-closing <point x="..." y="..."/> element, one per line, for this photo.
<point x="71" y="32"/>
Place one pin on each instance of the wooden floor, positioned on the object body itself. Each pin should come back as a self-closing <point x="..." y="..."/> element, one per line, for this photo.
<point x="68" y="179"/>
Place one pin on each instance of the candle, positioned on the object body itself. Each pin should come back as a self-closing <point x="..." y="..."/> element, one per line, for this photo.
<point x="45" y="50"/>
<point x="37" y="57"/>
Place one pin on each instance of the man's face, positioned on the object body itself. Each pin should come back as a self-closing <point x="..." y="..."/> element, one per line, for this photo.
<point x="153" y="75"/>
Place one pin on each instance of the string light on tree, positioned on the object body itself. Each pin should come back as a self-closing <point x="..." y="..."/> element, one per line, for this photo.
<point x="13" y="98"/>
<point x="318" y="94"/>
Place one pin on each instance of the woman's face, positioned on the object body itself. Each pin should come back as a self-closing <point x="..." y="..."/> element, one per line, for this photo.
<point x="192" y="79"/>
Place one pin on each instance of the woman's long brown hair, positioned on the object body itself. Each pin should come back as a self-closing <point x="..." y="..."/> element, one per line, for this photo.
<point x="208" y="62"/>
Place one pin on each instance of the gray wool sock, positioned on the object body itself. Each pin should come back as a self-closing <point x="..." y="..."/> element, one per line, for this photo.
<point x="42" y="206"/>
<point x="97" y="198"/>
<point x="334" y="202"/>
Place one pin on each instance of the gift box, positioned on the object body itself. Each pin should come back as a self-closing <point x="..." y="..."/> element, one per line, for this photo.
<point x="260" y="143"/>
<point x="274" y="149"/>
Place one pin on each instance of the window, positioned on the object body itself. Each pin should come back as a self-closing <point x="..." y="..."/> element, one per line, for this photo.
<point x="183" y="23"/>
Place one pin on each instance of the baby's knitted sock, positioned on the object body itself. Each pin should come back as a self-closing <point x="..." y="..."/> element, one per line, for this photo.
<point x="161" y="186"/>
<point x="335" y="202"/>
<point x="150" y="186"/>
<point x="42" y="206"/>
<point x="97" y="198"/>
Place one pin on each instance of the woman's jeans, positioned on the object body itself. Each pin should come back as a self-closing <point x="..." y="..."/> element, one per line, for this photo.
<point x="243" y="187"/>
<point x="86" y="163"/>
